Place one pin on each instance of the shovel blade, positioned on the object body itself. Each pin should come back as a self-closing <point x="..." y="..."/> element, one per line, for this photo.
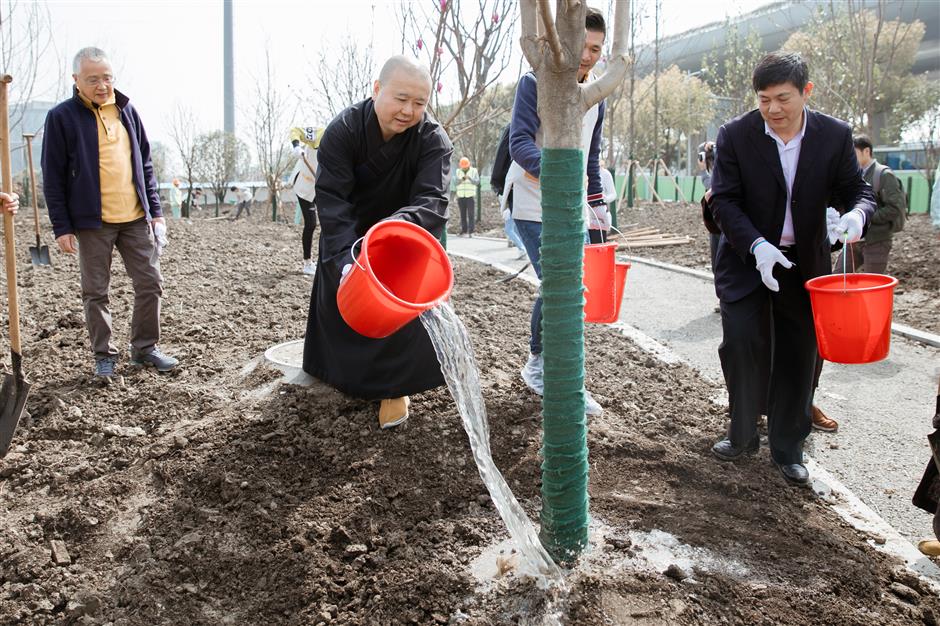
<point x="40" y="255"/>
<point x="13" y="394"/>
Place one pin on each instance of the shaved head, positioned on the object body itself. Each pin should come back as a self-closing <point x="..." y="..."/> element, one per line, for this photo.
<point x="400" y="95"/>
<point x="401" y="63"/>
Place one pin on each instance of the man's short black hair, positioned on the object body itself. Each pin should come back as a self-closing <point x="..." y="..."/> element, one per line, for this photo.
<point x="595" y="21"/>
<point x="863" y="141"/>
<point x="778" y="68"/>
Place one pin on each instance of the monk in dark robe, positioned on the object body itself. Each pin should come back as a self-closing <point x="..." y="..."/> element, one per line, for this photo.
<point x="382" y="158"/>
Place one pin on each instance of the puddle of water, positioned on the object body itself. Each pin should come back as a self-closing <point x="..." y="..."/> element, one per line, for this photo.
<point x="452" y="345"/>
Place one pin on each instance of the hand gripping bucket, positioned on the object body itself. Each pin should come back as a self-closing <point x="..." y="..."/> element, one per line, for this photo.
<point x="852" y="315"/>
<point x="603" y="283"/>
<point x="401" y="271"/>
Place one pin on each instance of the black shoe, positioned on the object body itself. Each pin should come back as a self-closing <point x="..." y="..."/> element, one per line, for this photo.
<point x="795" y="473"/>
<point x="724" y="450"/>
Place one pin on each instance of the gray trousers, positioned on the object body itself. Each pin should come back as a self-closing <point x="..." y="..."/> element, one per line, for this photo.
<point x="866" y="257"/>
<point x="135" y="243"/>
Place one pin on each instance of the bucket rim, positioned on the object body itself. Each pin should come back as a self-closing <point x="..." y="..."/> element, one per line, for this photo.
<point x="415" y="306"/>
<point x="813" y="284"/>
<point x="606" y="244"/>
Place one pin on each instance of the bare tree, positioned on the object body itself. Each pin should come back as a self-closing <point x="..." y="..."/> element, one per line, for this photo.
<point x="553" y="46"/>
<point x="183" y="133"/>
<point x="730" y="76"/>
<point x="25" y="44"/>
<point x="222" y="159"/>
<point x="338" y="85"/>
<point x="269" y="129"/>
<point x="916" y="118"/>
<point x="469" y="48"/>
<point x="860" y="62"/>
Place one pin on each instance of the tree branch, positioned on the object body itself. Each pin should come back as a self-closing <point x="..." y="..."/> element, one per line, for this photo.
<point x="551" y="34"/>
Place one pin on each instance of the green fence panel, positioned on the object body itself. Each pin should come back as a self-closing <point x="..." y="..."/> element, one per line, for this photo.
<point x="666" y="188"/>
<point x="917" y="190"/>
<point x="686" y="183"/>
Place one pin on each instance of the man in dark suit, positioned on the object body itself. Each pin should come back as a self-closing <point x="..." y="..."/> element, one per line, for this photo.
<point x="776" y="171"/>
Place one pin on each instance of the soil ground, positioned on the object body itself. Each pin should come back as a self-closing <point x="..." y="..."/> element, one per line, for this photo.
<point x="216" y="495"/>
<point x="914" y="259"/>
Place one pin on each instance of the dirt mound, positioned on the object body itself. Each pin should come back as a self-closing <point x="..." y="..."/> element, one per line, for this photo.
<point x="216" y="495"/>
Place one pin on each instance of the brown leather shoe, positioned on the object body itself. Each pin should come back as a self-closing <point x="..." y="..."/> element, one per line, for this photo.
<point x="822" y="422"/>
<point x="393" y="412"/>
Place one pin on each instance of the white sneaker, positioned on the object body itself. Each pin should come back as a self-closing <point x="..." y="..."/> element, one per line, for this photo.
<point x="591" y="407"/>
<point x="533" y="373"/>
<point x="310" y="267"/>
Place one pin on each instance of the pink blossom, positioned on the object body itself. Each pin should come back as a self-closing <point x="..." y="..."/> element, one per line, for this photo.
<point x="495" y="17"/>
<point x="440" y="51"/>
<point x="440" y="86"/>
<point x="443" y="4"/>
<point x="420" y="43"/>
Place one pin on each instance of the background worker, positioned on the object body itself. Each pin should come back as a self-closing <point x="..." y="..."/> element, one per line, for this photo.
<point x="467" y="180"/>
<point x="243" y="199"/>
<point x="176" y="198"/>
<point x="303" y="179"/>
<point x="871" y="253"/>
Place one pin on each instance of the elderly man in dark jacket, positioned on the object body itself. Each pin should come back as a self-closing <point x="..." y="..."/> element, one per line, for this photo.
<point x="102" y="193"/>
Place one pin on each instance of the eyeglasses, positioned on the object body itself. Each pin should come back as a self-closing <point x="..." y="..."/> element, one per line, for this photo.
<point x="94" y="81"/>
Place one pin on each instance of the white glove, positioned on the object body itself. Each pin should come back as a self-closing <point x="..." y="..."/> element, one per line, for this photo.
<point x="159" y="233"/>
<point x="346" y="269"/>
<point x="767" y="256"/>
<point x="850" y="227"/>
<point x="832" y="225"/>
<point x="298" y="150"/>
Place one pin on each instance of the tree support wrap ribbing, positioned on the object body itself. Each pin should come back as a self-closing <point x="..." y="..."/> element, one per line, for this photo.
<point x="564" y="519"/>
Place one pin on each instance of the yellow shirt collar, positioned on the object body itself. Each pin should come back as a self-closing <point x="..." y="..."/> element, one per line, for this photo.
<point x="91" y="105"/>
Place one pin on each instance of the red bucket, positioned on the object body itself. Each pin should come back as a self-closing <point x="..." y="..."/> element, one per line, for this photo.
<point x="401" y="271"/>
<point x="603" y="283"/>
<point x="852" y="315"/>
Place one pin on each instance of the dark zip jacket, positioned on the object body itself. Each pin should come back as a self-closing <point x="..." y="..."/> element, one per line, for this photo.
<point x="70" y="170"/>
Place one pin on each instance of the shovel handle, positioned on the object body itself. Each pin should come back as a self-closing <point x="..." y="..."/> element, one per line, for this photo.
<point x="34" y="194"/>
<point x="9" y="241"/>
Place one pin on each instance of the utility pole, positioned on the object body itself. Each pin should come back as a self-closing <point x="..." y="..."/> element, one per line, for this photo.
<point x="229" y="68"/>
<point x="656" y="154"/>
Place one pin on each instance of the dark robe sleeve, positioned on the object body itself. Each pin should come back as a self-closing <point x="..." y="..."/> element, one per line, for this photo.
<point x="427" y="205"/>
<point x="335" y="184"/>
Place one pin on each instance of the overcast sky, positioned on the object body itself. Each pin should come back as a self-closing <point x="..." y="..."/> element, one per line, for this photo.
<point x="170" y="52"/>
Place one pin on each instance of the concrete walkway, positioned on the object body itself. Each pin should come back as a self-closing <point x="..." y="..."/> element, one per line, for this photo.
<point x="883" y="409"/>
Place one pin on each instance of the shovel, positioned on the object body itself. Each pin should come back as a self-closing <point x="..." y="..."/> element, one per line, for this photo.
<point x="15" y="387"/>
<point x="40" y="253"/>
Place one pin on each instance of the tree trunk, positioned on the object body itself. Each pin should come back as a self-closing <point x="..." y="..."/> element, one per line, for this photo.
<point x="555" y="56"/>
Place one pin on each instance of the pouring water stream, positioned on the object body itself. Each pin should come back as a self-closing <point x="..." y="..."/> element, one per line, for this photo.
<point x="458" y="364"/>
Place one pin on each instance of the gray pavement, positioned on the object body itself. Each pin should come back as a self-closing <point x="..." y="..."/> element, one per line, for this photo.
<point x="883" y="409"/>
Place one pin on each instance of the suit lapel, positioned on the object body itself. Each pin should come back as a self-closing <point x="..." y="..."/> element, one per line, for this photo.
<point x="809" y="149"/>
<point x="767" y="148"/>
